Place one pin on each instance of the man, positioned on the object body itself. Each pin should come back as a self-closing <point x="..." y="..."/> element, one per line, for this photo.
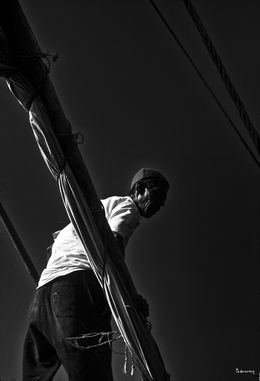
<point x="69" y="301"/>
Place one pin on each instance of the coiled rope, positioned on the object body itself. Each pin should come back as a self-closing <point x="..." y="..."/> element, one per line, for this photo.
<point x="188" y="56"/>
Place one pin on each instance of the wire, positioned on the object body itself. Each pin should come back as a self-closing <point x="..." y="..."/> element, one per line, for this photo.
<point x="223" y="73"/>
<point x="173" y="34"/>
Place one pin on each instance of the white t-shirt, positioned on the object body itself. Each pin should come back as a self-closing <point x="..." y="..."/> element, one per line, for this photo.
<point x="68" y="253"/>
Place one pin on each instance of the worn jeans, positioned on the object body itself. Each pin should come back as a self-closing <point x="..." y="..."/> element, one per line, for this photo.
<point x="69" y="306"/>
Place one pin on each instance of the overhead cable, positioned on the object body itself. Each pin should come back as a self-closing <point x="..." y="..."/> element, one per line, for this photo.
<point x="223" y="73"/>
<point x="209" y="88"/>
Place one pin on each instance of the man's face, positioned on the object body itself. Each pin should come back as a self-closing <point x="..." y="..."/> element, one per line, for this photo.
<point x="151" y="199"/>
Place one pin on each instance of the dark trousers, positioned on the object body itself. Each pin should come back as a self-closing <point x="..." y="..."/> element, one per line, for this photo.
<point x="69" y="306"/>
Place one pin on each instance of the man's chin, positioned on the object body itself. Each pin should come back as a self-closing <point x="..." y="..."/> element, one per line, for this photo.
<point x="149" y="213"/>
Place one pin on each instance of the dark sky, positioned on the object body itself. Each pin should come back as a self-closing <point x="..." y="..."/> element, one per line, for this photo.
<point x="127" y="86"/>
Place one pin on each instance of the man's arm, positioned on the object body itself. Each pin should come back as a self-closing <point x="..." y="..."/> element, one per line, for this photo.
<point x="140" y="303"/>
<point x="120" y="241"/>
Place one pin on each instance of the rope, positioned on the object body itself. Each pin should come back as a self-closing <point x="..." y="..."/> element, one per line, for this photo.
<point x="104" y="338"/>
<point x="47" y="56"/>
<point x="188" y="56"/>
<point x="223" y="73"/>
<point x="6" y="70"/>
<point x="128" y="354"/>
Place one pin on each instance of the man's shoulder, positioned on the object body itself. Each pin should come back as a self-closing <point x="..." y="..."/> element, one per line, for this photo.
<point x="119" y="204"/>
<point x="122" y="215"/>
<point x="113" y="201"/>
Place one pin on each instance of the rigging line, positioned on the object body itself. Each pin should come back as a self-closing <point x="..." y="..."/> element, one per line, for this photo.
<point x="223" y="74"/>
<point x="188" y="56"/>
<point x="18" y="244"/>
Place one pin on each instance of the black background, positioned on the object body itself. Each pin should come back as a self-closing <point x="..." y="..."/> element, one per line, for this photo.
<point x="127" y="86"/>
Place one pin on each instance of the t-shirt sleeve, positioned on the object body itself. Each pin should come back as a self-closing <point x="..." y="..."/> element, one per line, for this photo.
<point x="123" y="219"/>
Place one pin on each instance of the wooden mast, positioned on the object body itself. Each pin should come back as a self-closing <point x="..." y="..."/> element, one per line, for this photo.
<point x="21" y="63"/>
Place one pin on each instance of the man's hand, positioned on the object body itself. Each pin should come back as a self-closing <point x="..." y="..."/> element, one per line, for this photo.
<point x="140" y="302"/>
<point x="141" y="305"/>
<point x="120" y="241"/>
